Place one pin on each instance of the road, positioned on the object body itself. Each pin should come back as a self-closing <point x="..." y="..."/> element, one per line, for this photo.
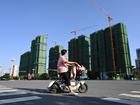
<point x="100" y="93"/>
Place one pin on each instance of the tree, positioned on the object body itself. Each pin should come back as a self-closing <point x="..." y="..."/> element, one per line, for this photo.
<point x="5" y="77"/>
<point x="36" y="76"/>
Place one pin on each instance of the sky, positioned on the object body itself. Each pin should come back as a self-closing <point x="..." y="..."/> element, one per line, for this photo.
<point x="22" y="20"/>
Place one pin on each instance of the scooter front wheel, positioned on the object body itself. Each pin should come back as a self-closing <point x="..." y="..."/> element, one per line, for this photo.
<point x="54" y="88"/>
<point x="83" y="88"/>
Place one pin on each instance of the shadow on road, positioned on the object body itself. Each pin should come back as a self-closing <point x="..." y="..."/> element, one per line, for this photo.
<point x="34" y="90"/>
<point x="62" y="99"/>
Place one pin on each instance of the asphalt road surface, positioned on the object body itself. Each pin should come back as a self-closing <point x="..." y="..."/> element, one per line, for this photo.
<point x="35" y="92"/>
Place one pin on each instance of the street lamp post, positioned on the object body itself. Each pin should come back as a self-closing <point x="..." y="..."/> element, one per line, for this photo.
<point x="33" y="71"/>
<point x="12" y="71"/>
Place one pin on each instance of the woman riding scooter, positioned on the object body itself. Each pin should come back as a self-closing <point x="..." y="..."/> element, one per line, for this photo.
<point x="62" y="68"/>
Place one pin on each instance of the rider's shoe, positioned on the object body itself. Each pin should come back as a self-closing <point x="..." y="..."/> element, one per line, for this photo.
<point x="73" y="94"/>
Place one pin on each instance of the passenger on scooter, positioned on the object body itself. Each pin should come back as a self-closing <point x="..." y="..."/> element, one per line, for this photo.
<point x="74" y="70"/>
<point x="77" y="71"/>
<point x="62" y="68"/>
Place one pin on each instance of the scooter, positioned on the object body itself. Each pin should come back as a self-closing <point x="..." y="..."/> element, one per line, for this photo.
<point x="58" y="86"/>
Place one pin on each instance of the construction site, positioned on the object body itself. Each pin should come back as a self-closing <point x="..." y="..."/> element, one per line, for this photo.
<point x="105" y="53"/>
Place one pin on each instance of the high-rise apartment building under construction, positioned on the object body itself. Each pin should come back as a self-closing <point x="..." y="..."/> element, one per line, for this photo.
<point x="34" y="61"/>
<point x="25" y="61"/>
<point x="38" y="54"/>
<point x="79" y="51"/>
<point x="54" y="54"/>
<point x="110" y="56"/>
<point x="138" y="60"/>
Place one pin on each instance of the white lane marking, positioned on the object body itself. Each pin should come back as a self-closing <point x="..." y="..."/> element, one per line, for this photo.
<point x="111" y="99"/>
<point x="135" y="91"/>
<point x="8" y="90"/>
<point x="130" y="95"/>
<point x="4" y="88"/>
<point x="21" y="99"/>
<point x="121" y="101"/>
<point x="15" y="93"/>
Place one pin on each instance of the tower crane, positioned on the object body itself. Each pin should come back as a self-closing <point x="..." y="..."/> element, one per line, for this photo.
<point x="109" y="17"/>
<point x="74" y="32"/>
<point x="103" y="11"/>
<point x="55" y="43"/>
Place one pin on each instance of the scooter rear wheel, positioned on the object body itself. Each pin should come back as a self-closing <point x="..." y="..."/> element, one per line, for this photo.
<point x="83" y="88"/>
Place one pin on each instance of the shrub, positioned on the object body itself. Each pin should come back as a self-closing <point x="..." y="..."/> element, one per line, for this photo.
<point x="43" y="76"/>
